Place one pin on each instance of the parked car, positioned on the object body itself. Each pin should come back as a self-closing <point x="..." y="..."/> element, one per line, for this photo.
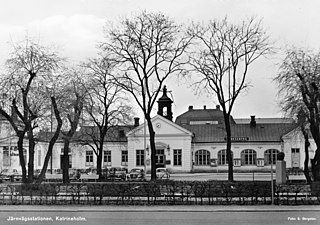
<point x="36" y="173"/>
<point x="10" y="174"/>
<point x="90" y="170"/>
<point x="105" y="173"/>
<point x="136" y="174"/>
<point x="117" y="173"/>
<point x="74" y="174"/>
<point x="162" y="173"/>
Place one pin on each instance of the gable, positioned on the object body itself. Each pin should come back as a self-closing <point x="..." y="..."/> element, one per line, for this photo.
<point x="162" y="127"/>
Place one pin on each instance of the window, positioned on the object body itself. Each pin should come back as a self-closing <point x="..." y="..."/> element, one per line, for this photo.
<point x="202" y="157"/>
<point x="177" y="157"/>
<point x="295" y="150"/>
<point x="165" y="111"/>
<point x="160" y="157"/>
<point x="39" y="158"/>
<point x="89" y="158"/>
<point x="107" y="158"/>
<point x="248" y="157"/>
<point x="222" y="157"/>
<point x="270" y="156"/>
<point x="6" y="156"/>
<point x="140" y="157"/>
<point x="124" y="158"/>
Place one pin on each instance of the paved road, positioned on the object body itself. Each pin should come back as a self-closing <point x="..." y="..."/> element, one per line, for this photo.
<point x="183" y="215"/>
<point x="221" y="176"/>
<point x="224" y="176"/>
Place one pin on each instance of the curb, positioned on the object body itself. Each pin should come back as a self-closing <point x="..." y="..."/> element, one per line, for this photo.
<point x="157" y="209"/>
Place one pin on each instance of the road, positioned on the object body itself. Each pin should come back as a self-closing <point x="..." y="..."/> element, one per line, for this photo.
<point x="221" y="176"/>
<point x="161" y="215"/>
<point x="224" y="176"/>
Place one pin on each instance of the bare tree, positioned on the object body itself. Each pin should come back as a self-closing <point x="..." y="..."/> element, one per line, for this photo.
<point x="222" y="55"/>
<point x="28" y="62"/>
<point x="105" y="105"/>
<point x="148" y="48"/>
<point x="299" y="81"/>
<point x="74" y="92"/>
<point x="52" y="96"/>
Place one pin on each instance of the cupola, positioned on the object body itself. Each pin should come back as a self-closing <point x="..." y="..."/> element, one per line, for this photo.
<point x="165" y="105"/>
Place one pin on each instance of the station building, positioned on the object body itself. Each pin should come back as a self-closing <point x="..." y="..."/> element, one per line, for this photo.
<point x="194" y="142"/>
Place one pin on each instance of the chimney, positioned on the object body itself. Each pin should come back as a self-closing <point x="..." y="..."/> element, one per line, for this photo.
<point x="190" y="107"/>
<point x="253" y="122"/>
<point x="204" y="107"/>
<point x="218" y="107"/>
<point x="136" y="121"/>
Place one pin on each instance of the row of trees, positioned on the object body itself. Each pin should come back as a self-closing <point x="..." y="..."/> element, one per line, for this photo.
<point x="38" y="86"/>
<point x="136" y="58"/>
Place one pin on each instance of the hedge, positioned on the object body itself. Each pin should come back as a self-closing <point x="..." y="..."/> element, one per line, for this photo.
<point x="162" y="192"/>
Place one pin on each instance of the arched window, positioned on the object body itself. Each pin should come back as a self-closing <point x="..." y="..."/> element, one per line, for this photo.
<point x="248" y="157"/>
<point x="202" y="157"/>
<point x="270" y="156"/>
<point x="222" y="157"/>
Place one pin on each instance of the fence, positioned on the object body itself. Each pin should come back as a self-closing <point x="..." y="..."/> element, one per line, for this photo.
<point x="165" y="192"/>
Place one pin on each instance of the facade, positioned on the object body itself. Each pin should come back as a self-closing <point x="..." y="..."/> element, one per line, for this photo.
<point x="194" y="142"/>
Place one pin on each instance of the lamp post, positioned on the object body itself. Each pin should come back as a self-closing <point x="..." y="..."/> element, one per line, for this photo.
<point x="272" y="184"/>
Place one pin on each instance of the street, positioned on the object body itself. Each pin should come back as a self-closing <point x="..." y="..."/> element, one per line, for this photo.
<point x="221" y="176"/>
<point x="142" y="215"/>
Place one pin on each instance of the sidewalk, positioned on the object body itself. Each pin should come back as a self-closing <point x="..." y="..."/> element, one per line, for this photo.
<point x="197" y="208"/>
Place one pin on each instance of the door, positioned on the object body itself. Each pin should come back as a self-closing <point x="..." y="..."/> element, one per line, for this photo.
<point x="295" y="157"/>
<point x="160" y="158"/>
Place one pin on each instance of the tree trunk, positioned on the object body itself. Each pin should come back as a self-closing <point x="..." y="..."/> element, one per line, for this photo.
<point x="31" y="156"/>
<point x="52" y="141"/>
<point x="65" y="166"/>
<point x="21" y="156"/>
<point x="229" y="152"/>
<point x="315" y="162"/>
<point x="99" y="160"/>
<point x="306" y="150"/>
<point x="153" y="149"/>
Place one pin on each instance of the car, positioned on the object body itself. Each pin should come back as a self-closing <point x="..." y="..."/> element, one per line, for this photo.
<point x="36" y="173"/>
<point x="74" y="174"/>
<point x="10" y="174"/>
<point x="117" y="173"/>
<point x="136" y="174"/>
<point x="162" y="173"/>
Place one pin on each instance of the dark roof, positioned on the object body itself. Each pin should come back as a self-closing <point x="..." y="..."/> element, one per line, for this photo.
<point x="114" y="134"/>
<point x="201" y="115"/>
<point x="240" y="132"/>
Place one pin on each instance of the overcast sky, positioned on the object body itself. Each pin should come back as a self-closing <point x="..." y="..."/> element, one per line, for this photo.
<point x="77" y="25"/>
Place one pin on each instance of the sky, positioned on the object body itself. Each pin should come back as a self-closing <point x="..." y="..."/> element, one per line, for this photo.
<point x="76" y="26"/>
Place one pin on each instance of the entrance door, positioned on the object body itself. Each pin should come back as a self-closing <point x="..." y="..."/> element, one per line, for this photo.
<point x="295" y="157"/>
<point x="160" y="158"/>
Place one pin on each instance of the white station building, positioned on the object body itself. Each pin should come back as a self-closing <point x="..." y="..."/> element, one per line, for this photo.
<point x="194" y="142"/>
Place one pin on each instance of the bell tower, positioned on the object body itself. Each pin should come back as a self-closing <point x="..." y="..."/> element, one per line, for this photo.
<point x="165" y="105"/>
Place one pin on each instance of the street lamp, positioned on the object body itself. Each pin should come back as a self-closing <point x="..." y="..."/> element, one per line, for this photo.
<point x="168" y="149"/>
<point x="272" y="184"/>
